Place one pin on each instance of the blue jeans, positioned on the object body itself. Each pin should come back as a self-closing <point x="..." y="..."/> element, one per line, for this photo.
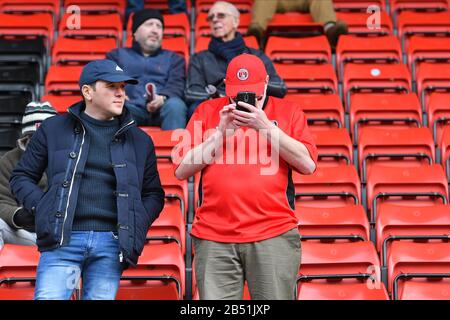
<point x="93" y="256"/>
<point x="172" y="115"/>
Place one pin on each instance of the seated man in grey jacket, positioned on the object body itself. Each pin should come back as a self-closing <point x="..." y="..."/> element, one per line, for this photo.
<point x="16" y="223"/>
<point x="207" y="68"/>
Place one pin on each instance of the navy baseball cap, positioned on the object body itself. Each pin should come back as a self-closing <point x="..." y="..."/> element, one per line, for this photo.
<point x="106" y="70"/>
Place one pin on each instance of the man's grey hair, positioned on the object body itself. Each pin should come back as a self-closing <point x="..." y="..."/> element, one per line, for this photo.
<point x="230" y="7"/>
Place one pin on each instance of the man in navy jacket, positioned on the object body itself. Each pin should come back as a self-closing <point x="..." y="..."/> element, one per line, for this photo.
<point x="103" y="191"/>
<point x="149" y="63"/>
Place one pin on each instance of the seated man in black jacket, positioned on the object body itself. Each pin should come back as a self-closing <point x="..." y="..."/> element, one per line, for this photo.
<point x="207" y="68"/>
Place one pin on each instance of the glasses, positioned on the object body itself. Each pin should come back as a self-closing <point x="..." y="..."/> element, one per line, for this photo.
<point x="219" y="16"/>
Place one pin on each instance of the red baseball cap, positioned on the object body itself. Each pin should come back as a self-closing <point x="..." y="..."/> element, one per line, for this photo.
<point x="246" y="72"/>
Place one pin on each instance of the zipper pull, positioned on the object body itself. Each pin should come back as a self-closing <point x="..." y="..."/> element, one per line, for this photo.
<point x="120" y="256"/>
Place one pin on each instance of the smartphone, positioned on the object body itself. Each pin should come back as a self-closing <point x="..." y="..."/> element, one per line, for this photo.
<point x="247" y="97"/>
<point x="150" y="91"/>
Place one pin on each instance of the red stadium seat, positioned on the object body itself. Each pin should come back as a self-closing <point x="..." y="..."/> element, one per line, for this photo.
<point x="241" y="5"/>
<point x="170" y="226"/>
<point x="293" y="24"/>
<point x="201" y="43"/>
<point x="31" y="6"/>
<point x="18" y="272"/>
<point x="396" y="222"/>
<point x="62" y="102"/>
<point x="352" y="49"/>
<point x="420" y="23"/>
<point x="80" y="51"/>
<point x="425" y="290"/>
<point x="92" y="26"/>
<point x="176" y="190"/>
<point x="384" y="111"/>
<point x="438" y="110"/>
<point x="308" y="78"/>
<point x="412" y="147"/>
<point x="445" y="151"/>
<point x="427" y="49"/>
<point x="349" y="258"/>
<point x="358" y="23"/>
<point x="332" y="290"/>
<point x="298" y="50"/>
<point x="369" y="78"/>
<point x="415" y="186"/>
<point x="98" y="6"/>
<point x="323" y="111"/>
<point x="202" y="27"/>
<point x="358" y="5"/>
<point x="63" y="79"/>
<point x="427" y="262"/>
<point x="328" y="187"/>
<point x="159" y="275"/>
<point x="39" y="24"/>
<point x="340" y="223"/>
<point x="417" y="5"/>
<point x="334" y="147"/>
<point x="432" y="77"/>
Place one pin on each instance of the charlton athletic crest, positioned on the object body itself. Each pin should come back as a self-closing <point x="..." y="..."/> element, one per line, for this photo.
<point x="242" y="74"/>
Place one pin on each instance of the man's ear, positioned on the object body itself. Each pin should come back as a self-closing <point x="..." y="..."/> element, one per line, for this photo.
<point x="87" y="92"/>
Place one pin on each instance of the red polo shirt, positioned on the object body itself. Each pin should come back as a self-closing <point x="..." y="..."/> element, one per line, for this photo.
<point x="248" y="196"/>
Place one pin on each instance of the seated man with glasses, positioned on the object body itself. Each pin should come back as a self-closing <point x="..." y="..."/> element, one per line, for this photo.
<point x="207" y="68"/>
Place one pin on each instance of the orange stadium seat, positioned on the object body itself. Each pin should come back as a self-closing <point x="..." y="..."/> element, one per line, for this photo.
<point x="346" y="258"/>
<point x="98" y="6"/>
<point x="324" y="111"/>
<point x="62" y="102"/>
<point x="369" y="78"/>
<point x="170" y="226"/>
<point x="427" y="49"/>
<point x="340" y="223"/>
<point x="201" y="43"/>
<point x="63" y="79"/>
<point x="417" y="5"/>
<point x="352" y="49"/>
<point x="202" y="27"/>
<point x="395" y="222"/>
<point x="176" y="190"/>
<point x="18" y="265"/>
<point x="31" y="6"/>
<point x="39" y="24"/>
<point x="432" y="77"/>
<point x="241" y="5"/>
<point x="298" y="50"/>
<point x="328" y="187"/>
<point x="333" y="290"/>
<point x="293" y="24"/>
<point x="445" y="151"/>
<point x="334" y="147"/>
<point x="420" y="23"/>
<point x="357" y="5"/>
<point x="358" y="23"/>
<point x="438" y="111"/>
<point x="92" y="26"/>
<point x="308" y="78"/>
<point x="80" y="51"/>
<point x="415" y="186"/>
<point x="426" y="263"/>
<point x="159" y="275"/>
<point x="413" y="147"/>
<point x="384" y="111"/>
<point x="425" y="290"/>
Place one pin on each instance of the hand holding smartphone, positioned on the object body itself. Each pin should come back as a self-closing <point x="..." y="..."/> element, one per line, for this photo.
<point x="247" y="97"/>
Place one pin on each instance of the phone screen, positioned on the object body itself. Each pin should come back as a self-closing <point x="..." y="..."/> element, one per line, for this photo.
<point x="247" y="97"/>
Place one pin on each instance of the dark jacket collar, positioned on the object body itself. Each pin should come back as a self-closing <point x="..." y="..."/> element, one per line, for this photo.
<point x="125" y="119"/>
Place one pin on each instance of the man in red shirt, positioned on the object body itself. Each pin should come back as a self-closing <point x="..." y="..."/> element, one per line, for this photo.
<point x="245" y="228"/>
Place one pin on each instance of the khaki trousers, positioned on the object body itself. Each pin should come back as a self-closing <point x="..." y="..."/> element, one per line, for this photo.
<point x="270" y="268"/>
<point x="322" y="11"/>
